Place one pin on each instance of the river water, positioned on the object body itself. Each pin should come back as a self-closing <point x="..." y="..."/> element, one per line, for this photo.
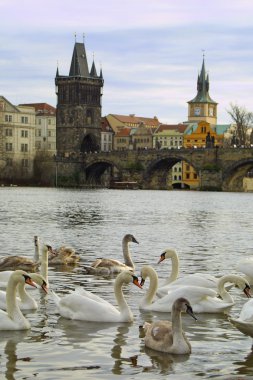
<point x="210" y="231"/>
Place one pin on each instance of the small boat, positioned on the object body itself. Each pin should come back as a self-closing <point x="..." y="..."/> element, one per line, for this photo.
<point x="132" y="185"/>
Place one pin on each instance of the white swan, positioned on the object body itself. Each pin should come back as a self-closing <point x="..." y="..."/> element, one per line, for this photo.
<point x="195" y="279"/>
<point x="85" y="306"/>
<point x="245" y="321"/>
<point x="166" y="336"/>
<point x="106" y="266"/>
<point x="5" y="275"/>
<point x="62" y="256"/>
<point x="245" y="266"/>
<point x="13" y="319"/>
<point x="203" y="300"/>
<point x="25" y="301"/>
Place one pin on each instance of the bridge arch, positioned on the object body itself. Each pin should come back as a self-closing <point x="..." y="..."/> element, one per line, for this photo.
<point x="158" y="171"/>
<point x="101" y="172"/>
<point x="234" y="174"/>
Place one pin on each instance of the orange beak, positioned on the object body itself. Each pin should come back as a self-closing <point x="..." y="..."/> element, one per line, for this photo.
<point x="44" y="287"/>
<point x="29" y="281"/>
<point x="136" y="282"/>
<point x="160" y="260"/>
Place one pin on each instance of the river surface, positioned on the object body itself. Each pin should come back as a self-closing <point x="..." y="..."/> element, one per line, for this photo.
<point x="210" y="231"/>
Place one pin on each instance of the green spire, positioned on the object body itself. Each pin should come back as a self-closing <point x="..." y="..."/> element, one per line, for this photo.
<point x="203" y="87"/>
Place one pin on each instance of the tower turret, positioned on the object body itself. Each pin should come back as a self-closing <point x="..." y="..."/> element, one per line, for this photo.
<point x="202" y="107"/>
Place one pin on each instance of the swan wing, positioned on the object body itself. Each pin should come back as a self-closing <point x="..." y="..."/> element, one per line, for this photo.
<point x="85" y="293"/>
<point x="246" y="266"/>
<point x="194" y="294"/>
<point x="76" y="306"/>
<point x="247" y="311"/>
<point x="243" y="326"/>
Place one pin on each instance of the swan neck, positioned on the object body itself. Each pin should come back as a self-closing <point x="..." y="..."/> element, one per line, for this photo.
<point x="121" y="301"/>
<point x="174" y="269"/>
<point x="12" y="308"/>
<point x="152" y="289"/>
<point x="44" y="265"/>
<point x="127" y="255"/>
<point x="177" y="330"/>
<point x="24" y="296"/>
<point x="36" y="253"/>
<point x="224" y="294"/>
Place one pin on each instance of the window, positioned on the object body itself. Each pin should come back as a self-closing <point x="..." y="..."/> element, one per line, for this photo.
<point x="24" y="119"/>
<point x="9" y="162"/>
<point x="8" y="118"/>
<point x="39" y="121"/>
<point x="49" y="133"/>
<point x="24" y="163"/>
<point x="8" y="147"/>
<point x="24" y="147"/>
<point x="24" y="133"/>
<point x="49" y="121"/>
<point x="8" y="132"/>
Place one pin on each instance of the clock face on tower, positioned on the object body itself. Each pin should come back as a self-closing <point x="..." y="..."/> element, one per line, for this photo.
<point x="197" y="111"/>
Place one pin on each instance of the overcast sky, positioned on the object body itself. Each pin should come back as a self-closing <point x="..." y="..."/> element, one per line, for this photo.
<point x="150" y="51"/>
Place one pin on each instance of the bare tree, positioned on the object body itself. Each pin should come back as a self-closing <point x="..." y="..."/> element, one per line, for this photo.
<point x="243" y="120"/>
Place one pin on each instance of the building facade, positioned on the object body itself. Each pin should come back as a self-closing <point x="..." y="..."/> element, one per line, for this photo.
<point x="17" y="142"/>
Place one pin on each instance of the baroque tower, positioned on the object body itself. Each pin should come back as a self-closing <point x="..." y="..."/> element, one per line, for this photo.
<point x="202" y="107"/>
<point x="78" y="112"/>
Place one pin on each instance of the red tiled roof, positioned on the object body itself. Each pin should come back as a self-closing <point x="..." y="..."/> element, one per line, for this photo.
<point x="41" y="108"/>
<point x="132" y="119"/>
<point x="171" y="127"/>
<point x="124" y="132"/>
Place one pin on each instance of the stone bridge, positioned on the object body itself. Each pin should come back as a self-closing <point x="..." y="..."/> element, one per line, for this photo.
<point x="220" y="169"/>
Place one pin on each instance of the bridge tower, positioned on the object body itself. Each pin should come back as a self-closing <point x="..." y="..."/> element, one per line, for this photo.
<point x="202" y="107"/>
<point x="78" y="112"/>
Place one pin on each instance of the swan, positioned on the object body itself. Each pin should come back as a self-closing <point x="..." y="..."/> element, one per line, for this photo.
<point x="244" y="322"/>
<point x="62" y="256"/>
<point x="25" y="300"/>
<point x="105" y="266"/>
<point x="86" y="306"/>
<point x="245" y="266"/>
<point x="166" y="336"/>
<point x="13" y="319"/>
<point x="5" y="275"/>
<point x="18" y="262"/>
<point x="203" y="300"/>
<point x="195" y="279"/>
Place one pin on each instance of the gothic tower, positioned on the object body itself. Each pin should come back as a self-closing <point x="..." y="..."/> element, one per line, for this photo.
<point x="78" y="114"/>
<point x="202" y="107"/>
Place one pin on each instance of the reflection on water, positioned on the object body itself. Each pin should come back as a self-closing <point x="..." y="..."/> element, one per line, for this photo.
<point x="211" y="232"/>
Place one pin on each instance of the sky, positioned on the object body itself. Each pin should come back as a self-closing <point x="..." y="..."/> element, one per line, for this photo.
<point x="150" y="52"/>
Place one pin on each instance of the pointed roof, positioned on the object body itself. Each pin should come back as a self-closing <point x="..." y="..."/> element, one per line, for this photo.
<point x="93" y="71"/>
<point x="203" y="88"/>
<point x="79" y="64"/>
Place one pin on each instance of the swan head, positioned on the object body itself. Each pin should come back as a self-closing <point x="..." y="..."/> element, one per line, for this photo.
<point x="182" y="304"/>
<point x="127" y="277"/>
<point x="245" y="286"/>
<point x="147" y="271"/>
<point x="23" y="276"/>
<point x="129" y="238"/>
<point x="40" y="280"/>
<point x="36" y="241"/>
<point x="167" y="254"/>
